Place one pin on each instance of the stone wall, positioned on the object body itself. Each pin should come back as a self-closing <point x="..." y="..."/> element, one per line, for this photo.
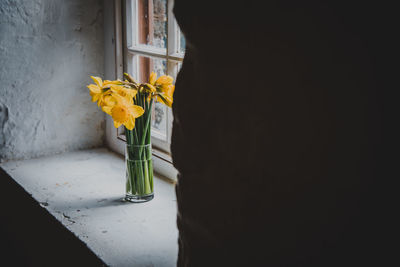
<point x="48" y="50"/>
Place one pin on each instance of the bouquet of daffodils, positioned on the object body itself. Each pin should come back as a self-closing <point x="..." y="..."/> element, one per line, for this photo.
<point x="129" y="103"/>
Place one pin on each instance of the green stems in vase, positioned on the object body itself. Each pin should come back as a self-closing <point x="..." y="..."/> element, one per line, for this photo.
<point x="139" y="165"/>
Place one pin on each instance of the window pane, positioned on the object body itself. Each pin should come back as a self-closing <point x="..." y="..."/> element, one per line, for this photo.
<point x="159" y="114"/>
<point x="146" y="65"/>
<point x="152" y="18"/>
<point x="182" y="42"/>
<point x="159" y="120"/>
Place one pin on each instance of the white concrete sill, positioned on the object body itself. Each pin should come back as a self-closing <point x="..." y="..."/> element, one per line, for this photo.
<point x="84" y="189"/>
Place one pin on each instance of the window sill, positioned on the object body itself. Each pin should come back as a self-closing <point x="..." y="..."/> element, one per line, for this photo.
<point x="83" y="190"/>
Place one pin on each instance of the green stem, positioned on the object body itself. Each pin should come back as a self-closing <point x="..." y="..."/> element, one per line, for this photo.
<point x="146" y="131"/>
<point x="140" y="119"/>
<point x="146" y="128"/>
<point x="139" y="166"/>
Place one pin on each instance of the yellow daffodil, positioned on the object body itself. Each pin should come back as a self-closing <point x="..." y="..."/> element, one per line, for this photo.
<point x="166" y="94"/>
<point x="126" y="93"/>
<point x="153" y="78"/>
<point x="165" y="88"/>
<point x="149" y="89"/>
<point x="100" y="89"/>
<point x="162" y="80"/>
<point x="109" y="101"/>
<point x="152" y="91"/>
<point x="165" y="80"/>
<point x="123" y="112"/>
<point x="116" y="98"/>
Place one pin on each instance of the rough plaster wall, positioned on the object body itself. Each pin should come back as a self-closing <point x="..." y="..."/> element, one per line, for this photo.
<point x="48" y="49"/>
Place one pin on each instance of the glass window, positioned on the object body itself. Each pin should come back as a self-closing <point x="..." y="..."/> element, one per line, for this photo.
<point x="154" y="43"/>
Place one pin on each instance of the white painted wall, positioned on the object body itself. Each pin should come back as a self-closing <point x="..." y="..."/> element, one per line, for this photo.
<point x="48" y="49"/>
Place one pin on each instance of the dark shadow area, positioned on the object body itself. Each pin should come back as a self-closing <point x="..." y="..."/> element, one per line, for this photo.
<point x="30" y="236"/>
<point x="285" y="133"/>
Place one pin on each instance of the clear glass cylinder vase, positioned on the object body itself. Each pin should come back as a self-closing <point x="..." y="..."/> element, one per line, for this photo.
<point x="139" y="173"/>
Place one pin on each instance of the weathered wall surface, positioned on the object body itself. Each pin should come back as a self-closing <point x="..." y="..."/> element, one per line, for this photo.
<point x="48" y="49"/>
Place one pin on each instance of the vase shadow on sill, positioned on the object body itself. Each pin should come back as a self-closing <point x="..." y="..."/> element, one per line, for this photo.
<point x="87" y="204"/>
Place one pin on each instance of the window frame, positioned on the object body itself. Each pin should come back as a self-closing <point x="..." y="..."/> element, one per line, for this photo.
<point x="126" y="45"/>
<point x="133" y="49"/>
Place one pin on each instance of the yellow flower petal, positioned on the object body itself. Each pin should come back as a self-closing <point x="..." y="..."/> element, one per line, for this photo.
<point x="120" y="99"/>
<point x="97" y="80"/>
<point x="127" y="93"/>
<point x="107" y="109"/>
<point x="117" y="124"/>
<point x="168" y="89"/>
<point x="136" y="111"/>
<point x="94" y="88"/>
<point x="101" y="100"/>
<point x="117" y="88"/>
<point x="165" y="79"/>
<point x="151" y="88"/>
<point x="153" y="78"/>
<point x="109" y="100"/>
<point x="95" y="97"/>
<point x="130" y="124"/>
<point x="166" y="100"/>
<point x="120" y="113"/>
<point x="107" y="82"/>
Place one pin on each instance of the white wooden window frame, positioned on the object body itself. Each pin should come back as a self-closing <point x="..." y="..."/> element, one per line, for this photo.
<point x="126" y="49"/>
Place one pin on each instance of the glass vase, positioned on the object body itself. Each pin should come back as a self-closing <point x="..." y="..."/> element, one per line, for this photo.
<point x="139" y="173"/>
